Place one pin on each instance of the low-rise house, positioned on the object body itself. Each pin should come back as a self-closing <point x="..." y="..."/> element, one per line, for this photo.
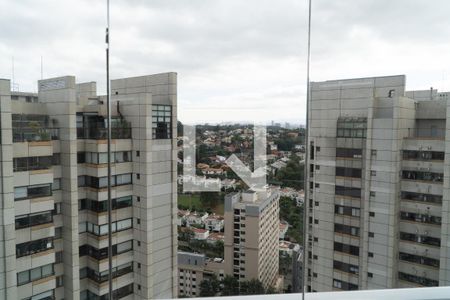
<point x="215" y="237"/>
<point x="195" y="218"/>
<point x="200" y="234"/>
<point x="214" y="222"/>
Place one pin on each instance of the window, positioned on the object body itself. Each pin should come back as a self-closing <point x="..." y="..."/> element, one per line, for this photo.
<point x="59" y="281"/>
<point x="33" y="247"/>
<point x="35" y="274"/>
<point x="347" y="210"/>
<point x="421" y="197"/>
<point x="138" y="153"/>
<point x="370" y="254"/>
<point x="372" y="194"/>
<point x="371" y="214"/>
<point x="348" y="172"/>
<point x="35" y="219"/>
<point x="32" y="191"/>
<point x="57" y="209"/>
<point x="56" y="184"/>
<point x="348" y="153"/>
<point x="346" y="229"/>
<point x="58" y="257"/>
<point x="423" y="176"/>
<point x="103" y="229"/>
<point x="352" y="250"/>
<point x="344" y="285"/>
<point x="369" y="275"/>
<point x="348" y="191"/>
<point x="373" y="152"/>
<point x="32" y="163"/>
<point x="351" y="127"/>
<point x="371" y="234"/>
<point x="345" y="267"/>
<point x="58" y="232"/>
<point x="373" y="173"/>
<point x="161" y="121"/>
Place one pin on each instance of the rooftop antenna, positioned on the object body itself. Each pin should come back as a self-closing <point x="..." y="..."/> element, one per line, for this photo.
<point x="12" y="67"/>
<point x="108" y="105"/>
<point x="42" y="68"/>
<point x="305" y="185"/>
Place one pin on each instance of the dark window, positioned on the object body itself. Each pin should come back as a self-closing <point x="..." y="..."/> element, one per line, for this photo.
<point x="417" y="279"/>
<point x="348" y="191"/>
<point x="81" y="157"/>
<point x="348" y="153"/>
<point x="423" y="176"/>
<point x="419" y="259"/>
<point x="371" y="214"/>
<point x="32" y="191"/>
<point x="370" y="254"/>
<point x="421" y="197"/>
<point x="423" y="155"/>
<point x="35" y="219"/>
<point x="32" y="163"/>
<point x="352" y="250"/>
<point x="161" y="121"/>
<point x="421" y="218"/>
<point x="421" y="239"/>
<point x="33" y="247"/>
<point x="371" y="234"/>
<point x="348" y="172"/>
<point x="349" y="268"/>
<point x="347" y="210"/>
<point x="346" y="229"/>
<point x="346" y="286"/>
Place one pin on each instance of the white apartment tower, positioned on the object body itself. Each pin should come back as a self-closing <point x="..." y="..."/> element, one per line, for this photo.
<point x="54" y="190"/>
<point x="251" y="236"/>
<point x="378" y="186"/>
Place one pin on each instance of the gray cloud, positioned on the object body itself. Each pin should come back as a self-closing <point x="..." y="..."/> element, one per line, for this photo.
<point x="229" y="54"/>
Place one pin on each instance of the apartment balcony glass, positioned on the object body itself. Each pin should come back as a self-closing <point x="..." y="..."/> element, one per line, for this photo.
<point x="28" y="128"/>
<point x="434" y="133"/>
<point x="101" y="277"/>
<point x="21" y="164"/>
<point x="429" y="198"/>
<point x="423" y="155"/>
<point x="348" y="191"/>
<point x="421" y="239"/>
<point x="33" y="247"/>
<point x="102" y="206"/>
<point x="35" y="274"/>
<point x="29" y="220"/>
<point x="32" y="191"/>
<point x="117" y="294"/>
<point x="420" y="218"/>
<point x="417" y="280"/>
<point x="102" y="253"/>
<point x="352" y="128"/>
<point x="348" y="153"/>
<point x="95" y="127"/>
<point x="423" y="176"/>
<point x="418" y="259"/>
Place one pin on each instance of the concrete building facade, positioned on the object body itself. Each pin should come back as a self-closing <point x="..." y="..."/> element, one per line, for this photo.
<point x="378" y="186"/>
<point x="54" y="190"/>
<point x="193" y="268"/>
<point x="251" y="236"/>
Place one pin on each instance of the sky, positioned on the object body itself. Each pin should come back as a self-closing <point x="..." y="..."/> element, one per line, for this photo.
<point x="237" y="60"/>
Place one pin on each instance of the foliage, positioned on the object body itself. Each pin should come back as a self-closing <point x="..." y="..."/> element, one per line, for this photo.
<point x="230" y="286"/>
<point x="293" y="214"/>
<point x="292" y="174"/>
<point x="209" y="287"/>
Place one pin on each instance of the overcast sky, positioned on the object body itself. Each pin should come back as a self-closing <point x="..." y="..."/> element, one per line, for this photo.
<point x="235" y="59"/>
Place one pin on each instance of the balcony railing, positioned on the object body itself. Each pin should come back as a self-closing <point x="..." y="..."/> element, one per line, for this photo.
<point x="434" y="293"/>
<point x="28" y="134"/>
<point x="102" y="133"/>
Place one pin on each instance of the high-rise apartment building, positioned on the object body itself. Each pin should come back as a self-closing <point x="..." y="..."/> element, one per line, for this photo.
<point x="251" y="236"/>
<point x="378" y="186"/>
<point x="54" y="220"/>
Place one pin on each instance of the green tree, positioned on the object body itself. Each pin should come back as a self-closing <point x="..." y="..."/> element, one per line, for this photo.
<point x="252" y="287"/>
<point x="209" y="287"/>
<point x="230" y="286"/>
